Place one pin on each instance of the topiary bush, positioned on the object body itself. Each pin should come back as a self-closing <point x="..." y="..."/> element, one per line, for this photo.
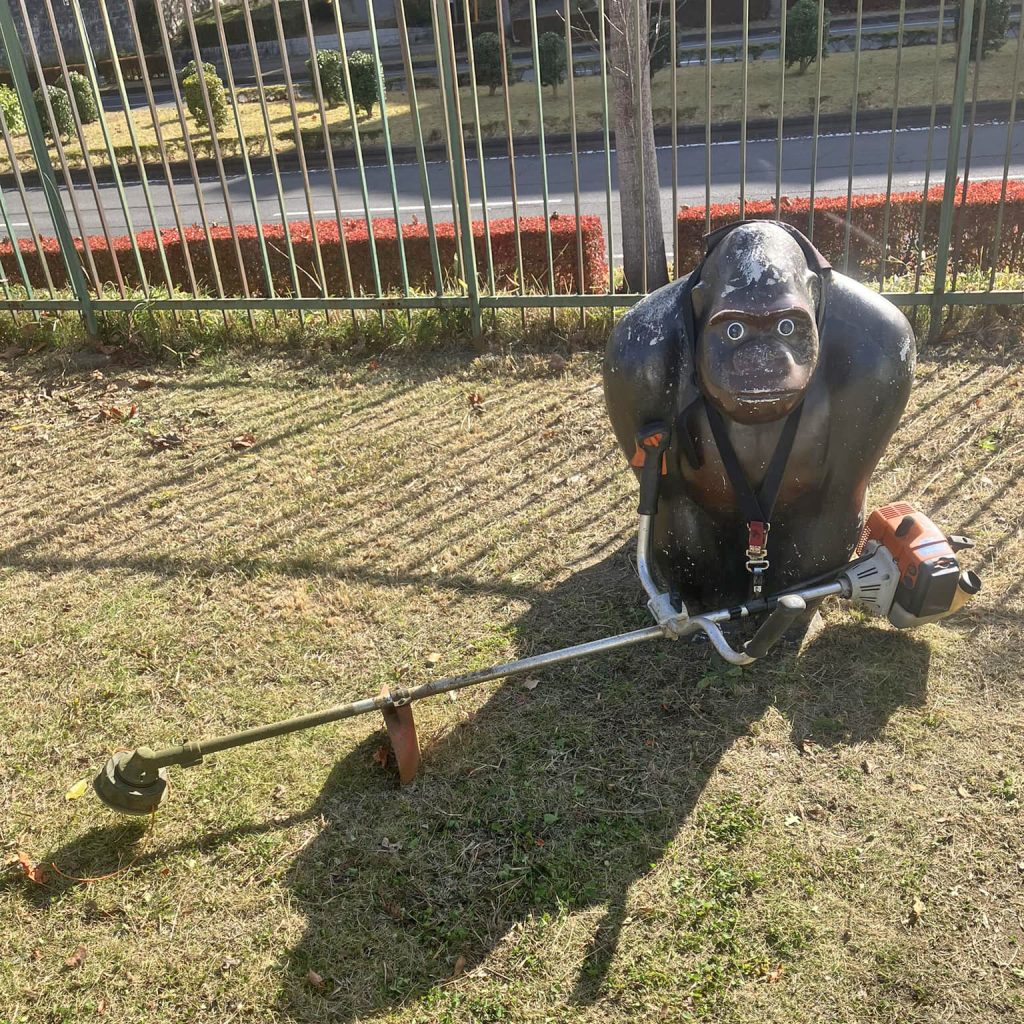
<point x="487" y="59"/>
<point x="61" y="104"/>
<point x="85" y="98"/>
<point x="551" y="50"/>
<point x="362" y="71"/>
<point x="11" y="108"/>
<point x="332" y="79"/>
<point x="803" y="47"/>
<point x="993" y="27"/>
<point x="191" y="84"/>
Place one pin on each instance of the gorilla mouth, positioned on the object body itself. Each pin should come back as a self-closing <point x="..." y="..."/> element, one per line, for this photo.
<point x="766" y="394"/>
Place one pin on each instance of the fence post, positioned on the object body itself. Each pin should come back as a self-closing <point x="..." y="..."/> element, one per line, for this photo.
<point x="467" y="250"/>
<point x="956" y="121"/>
<point x="19" y="72"/>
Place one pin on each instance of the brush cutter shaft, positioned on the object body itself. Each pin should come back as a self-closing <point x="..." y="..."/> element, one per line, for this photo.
<point x="145" y="761"/>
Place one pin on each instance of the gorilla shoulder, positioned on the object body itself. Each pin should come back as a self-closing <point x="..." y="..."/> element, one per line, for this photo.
<point x="868" y="329"/>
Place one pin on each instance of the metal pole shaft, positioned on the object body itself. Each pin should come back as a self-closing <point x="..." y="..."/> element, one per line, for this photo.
<point x="19" y="72"/>
<point x="193" y="752"/>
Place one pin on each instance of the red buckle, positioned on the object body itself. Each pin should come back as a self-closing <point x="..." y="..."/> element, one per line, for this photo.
<point x="757" y="537"/>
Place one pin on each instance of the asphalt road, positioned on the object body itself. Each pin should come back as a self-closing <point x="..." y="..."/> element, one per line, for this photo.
<point x="870" y="161"/>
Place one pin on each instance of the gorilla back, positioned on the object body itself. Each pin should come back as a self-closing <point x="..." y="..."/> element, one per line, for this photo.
<point x="781" y="382"/>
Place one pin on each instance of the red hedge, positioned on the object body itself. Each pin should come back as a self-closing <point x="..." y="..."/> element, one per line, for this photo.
<point x="414" y="236"/>
<point x="974" y="226"/>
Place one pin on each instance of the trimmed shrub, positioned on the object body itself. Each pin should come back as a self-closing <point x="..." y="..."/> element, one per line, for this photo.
<point x="362" y="72"/>
<point x="149" y="26"/>
<point x="415" y="239"/>
<point x="85" y="98"/>
<point x="551" y="50"/>
<point x="332" y="80"/>
<point x="193" y="90"/>
<point x="975" y="227"/>
<point x="12" y="110"/>
<point x="487" y="58"/>
<point x="62" y="114"/>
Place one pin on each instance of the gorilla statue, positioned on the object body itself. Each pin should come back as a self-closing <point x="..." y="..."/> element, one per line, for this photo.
<point x="779" y="383"/>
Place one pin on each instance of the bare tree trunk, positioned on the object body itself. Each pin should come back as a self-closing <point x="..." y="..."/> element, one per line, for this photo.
<point x="643" y="244"/>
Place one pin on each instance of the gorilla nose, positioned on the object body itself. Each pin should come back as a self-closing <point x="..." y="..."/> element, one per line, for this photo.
<point x="763" y="361"/>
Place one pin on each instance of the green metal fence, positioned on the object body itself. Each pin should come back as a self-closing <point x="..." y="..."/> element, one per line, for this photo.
<point x="509" y="193"/>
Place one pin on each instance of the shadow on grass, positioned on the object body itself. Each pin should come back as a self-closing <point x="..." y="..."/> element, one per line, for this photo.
<point x="554" y="799"/>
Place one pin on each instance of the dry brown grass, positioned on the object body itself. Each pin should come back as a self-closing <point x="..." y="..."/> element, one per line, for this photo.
<point x="632" y="839"/>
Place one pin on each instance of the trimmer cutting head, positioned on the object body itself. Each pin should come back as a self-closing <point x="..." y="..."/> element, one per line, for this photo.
<point x="125" y="796"/>
<point x="404" y="742"/>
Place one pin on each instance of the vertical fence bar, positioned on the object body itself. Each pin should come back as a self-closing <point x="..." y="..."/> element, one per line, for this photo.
<point x="471" y="59"/>
<point x="958" y="215"/>
<point x="357" y="144"/>
<point x="506" y="88"/>
<point x="130" y="122"/>
<point x="15" y="246"/>
<point x="275" y="169"/>
<point x="543" y="150"/>
<point x="581" y="286"/>
<point x="449" y="129"/>
<point x="675" y="137"/>
<point x="243" y="147"/>
<point x="204" y="92"/>
<point x="603" y="44"/>
<point x="190" y="153"/>
<point x="300" y="152"/>
<point x="449" y="69"/>
<point x="998" y="238"/>
<point x="58" y="143"/>
<point x="325" y="130"/>
<point x="637" y="72"/>
<point x="819" y="58"/>
<point x="782" y="106"/>
<point x="82" y="141"/>
<point x="115" y="169"/>
<point x="854" y="105"/>
<point x="33" y="229"/>
<point x="743" y="112"/>
<point x="165" y="165"/>
<point x="707" y="116"/>
<point x="389" y="156"/>
<point x="886" y="217"/>
<point x="19" y="73"/>
<point x="421" y="156"/>
<point x="952" y="161"/>
<point x="930" y="149"/>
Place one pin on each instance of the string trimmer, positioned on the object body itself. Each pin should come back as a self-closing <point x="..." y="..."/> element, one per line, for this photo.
<point x="905" y="570"/>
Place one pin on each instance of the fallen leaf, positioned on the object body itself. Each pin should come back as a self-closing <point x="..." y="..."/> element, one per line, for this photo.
<point x="163" y="442"/>
<point x="529" y="684"/>
<point x="792" y="819"/>
<point x="278" y="792"/>
<point x="962" y="792"/>
<point x="243" y="442"/>
<point x="76" y="959"/>
<point x="33" y="872"/>
<point x="460" y="967"/>
<point x="432" y="658"/>
<point x="916" y="911"/>
<point x="380" y="755"/>
<point x="314" y="979"/>
<point x="78" y="790"/>
<point x="807" y="746"/>
<point x="476" y="402"/>
<point x="142" y="384"/>
<point x="867" y="766"/>
<point x="915" y="787"/>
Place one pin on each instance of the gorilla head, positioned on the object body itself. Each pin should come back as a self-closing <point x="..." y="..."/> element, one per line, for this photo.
<point x="756" y="312"/>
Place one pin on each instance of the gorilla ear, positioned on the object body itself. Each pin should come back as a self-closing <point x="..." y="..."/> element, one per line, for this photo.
<point x="813" y="285"/>
<point x="698" y="298"/>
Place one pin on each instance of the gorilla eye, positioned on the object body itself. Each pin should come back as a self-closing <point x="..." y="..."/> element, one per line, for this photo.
<point x="734" y="331"/>
<point x="786" y="327"/>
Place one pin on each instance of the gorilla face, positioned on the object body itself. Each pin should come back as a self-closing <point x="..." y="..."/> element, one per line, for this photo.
<point x="757" y="343"/>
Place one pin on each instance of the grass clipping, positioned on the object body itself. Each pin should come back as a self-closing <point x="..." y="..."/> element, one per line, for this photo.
<point x="831" y="837"/>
